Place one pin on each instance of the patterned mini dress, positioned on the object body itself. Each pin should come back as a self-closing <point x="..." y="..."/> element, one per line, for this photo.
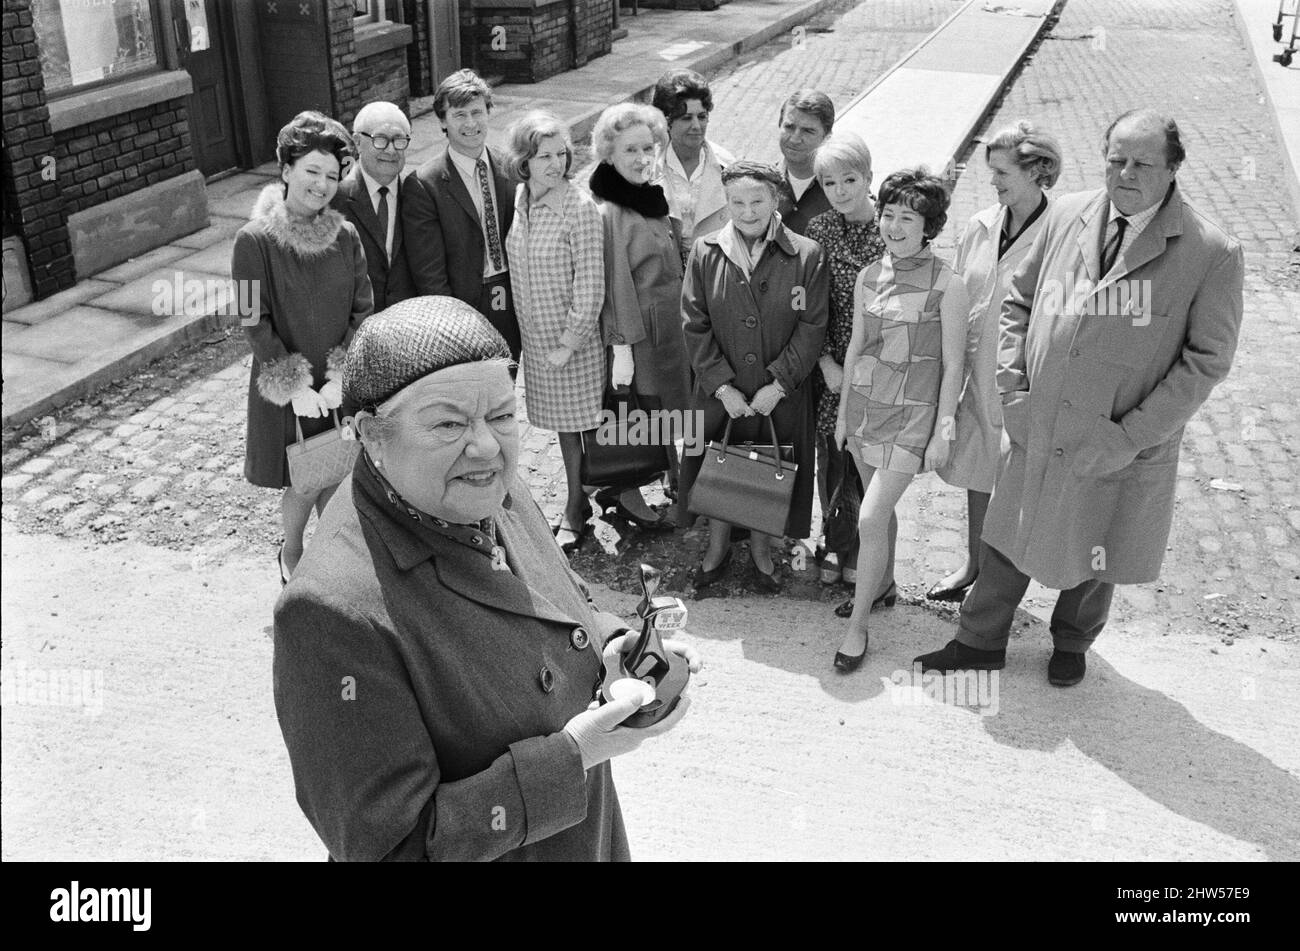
<point x="893" y="396"/>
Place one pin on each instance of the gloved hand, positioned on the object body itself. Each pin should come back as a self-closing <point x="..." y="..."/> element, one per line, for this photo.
<point x="621" y="373"/>
<point x="765" y="399"/>
<point x="307" y="402"/>
<point x="332" y="393"/>
<point x="599" y="737"/>
<point x="734" y="403"/>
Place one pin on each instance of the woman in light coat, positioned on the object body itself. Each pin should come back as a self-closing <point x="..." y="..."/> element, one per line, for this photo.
<point x="1023" y="161"/>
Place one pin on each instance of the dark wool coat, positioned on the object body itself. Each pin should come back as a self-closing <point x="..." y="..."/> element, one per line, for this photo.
<point x="1097" y="387"/>
<point x="796" y="215"/>
<point x="422" y="694"/>
<point x="751" y="331"/>
<point x="313" y="292"/>
<point x="390" y="280"/>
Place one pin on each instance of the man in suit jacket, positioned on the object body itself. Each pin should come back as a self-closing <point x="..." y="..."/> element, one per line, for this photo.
<point x="1120" y="321"/>
<point x="807" y="117"/>
<point x="368" y="197"/>
<point x="457" y="209"/>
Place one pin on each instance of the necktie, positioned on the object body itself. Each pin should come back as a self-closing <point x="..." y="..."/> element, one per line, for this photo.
<point x="489" y="216"/>
<point x="383" y="215"/>
<point x="1111" y="251"/>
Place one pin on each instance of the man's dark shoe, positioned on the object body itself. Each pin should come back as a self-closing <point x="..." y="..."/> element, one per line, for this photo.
<point x="1066" y="669"/>
<point x="957" y="656"/>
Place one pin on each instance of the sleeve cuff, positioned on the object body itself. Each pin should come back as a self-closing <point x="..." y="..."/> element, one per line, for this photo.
<point x="552" y="782"/>
<point x="280" y="379"/>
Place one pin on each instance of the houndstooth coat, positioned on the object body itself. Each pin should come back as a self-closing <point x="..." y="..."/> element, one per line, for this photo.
<point x="557" y="272"/>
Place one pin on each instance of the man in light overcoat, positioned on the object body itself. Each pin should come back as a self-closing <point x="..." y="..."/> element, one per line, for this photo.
<point x="1120" y="321"/>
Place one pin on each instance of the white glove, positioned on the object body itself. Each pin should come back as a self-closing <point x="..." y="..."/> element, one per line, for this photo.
<point x="621" y="373"/>
<point x="599" y="737"/>
<point x="332" y="393"/>
<point x="307" y="402"/>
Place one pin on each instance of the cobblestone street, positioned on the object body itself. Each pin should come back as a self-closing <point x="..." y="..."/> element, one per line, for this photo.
<point x="158" y="458"/>
<point x="1164" y="752"/>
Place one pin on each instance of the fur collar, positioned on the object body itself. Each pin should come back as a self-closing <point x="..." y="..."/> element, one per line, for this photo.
<point x="646" y="200"/>
<point x="304" y="238"/>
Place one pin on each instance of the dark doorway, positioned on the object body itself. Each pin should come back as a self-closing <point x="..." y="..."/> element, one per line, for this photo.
<point x="444" y="38"/>
<point x="204" y="40"/>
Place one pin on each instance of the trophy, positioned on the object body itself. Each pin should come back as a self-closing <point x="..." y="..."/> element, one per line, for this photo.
<point x="648" y="671"/>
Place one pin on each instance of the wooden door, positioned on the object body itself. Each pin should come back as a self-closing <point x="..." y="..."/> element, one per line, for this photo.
<point x="202" y="41"/>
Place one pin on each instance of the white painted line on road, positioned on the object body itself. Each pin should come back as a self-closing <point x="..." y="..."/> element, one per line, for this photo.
<point x="678" y="50"/>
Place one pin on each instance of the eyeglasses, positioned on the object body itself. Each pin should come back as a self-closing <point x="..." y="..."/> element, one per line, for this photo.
<point x="381" y="142"/>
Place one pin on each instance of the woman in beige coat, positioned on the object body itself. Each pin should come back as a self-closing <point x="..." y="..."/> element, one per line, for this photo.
<point x="1023" y="161"/>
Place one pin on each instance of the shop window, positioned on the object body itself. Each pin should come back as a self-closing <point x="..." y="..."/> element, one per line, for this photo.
<point x="376" y="11"/>
<point x="85" y="42"/>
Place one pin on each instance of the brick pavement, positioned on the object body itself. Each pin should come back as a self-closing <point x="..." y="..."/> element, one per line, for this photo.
<point x="158" y="458"/>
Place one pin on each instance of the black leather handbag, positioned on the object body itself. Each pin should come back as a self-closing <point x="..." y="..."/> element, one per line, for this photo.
<point x="628" y="453"/>
<point x="746" y="485"/>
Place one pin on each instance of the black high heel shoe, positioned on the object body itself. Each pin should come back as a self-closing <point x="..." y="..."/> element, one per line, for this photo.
<point x="609" y="500"/>
<point x="848" y="663"/>
<point x="568" y="545"/>
<point x="886" y="600"/>
<point x="766" y="582"/>
<point x="702" y="578"/>
<point x="958" y="593"/>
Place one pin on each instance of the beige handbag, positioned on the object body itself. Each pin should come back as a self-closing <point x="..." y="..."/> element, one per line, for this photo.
<point x="322" y="461"/>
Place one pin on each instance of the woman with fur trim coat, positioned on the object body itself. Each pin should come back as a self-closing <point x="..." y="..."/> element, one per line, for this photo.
<point x="309" y="291"/>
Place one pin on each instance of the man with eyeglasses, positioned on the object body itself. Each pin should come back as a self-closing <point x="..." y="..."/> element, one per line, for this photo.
<point x="457" y="209"/>
<point x="368" y="197"/>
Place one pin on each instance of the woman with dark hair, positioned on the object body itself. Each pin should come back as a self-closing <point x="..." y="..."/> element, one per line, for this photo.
<point x="754" y="305"/>
<point x="902" y="375"/>
<point x="305" y="271"/>
<point x="693" y="165"/>
<point x="557" y="273"/>
<point x="1022" y="163"/>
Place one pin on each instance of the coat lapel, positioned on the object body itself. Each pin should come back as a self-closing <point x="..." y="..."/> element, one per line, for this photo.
<point x="456" y="186"/>
<point x="1150" y="244"/>
<point x="463" y="572"/>
<point x="505" y="190"/>
<point x="1093" y="218"/>
<point x="363" y="211"/>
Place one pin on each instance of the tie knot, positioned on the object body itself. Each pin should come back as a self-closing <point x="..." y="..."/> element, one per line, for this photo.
<point x="383" y="189"/>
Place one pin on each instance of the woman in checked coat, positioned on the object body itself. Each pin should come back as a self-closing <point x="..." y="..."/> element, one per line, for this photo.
<point x="557" y="274"/>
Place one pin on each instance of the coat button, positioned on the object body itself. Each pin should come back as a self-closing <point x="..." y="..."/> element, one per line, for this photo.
<point x="546" y="679"/>
<point x="579" y="639"/>
<point x="478" y="539"/>
<point x="751" y="359"/>
<point x="751" y="321"/>
<point x="1059" y="452"/>
<point x="762" y="285"/>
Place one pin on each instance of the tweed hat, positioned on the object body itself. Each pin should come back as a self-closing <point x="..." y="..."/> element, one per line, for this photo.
<point x="412" y="339"/>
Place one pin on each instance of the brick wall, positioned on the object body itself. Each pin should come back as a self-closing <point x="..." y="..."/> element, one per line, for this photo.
<point x="121" y="154"/>
<point x="419" y="62"/>
<point x="529" y="43"/>
<point x="345" y="74"/>
<point x="32" y="200"/>
<point x="384" y="76"/>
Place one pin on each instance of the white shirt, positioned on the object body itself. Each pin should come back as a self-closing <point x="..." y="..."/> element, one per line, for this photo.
<point x="468" y="168"/>
<point x="1136" y="223"/>
<point x="798" y="185"/>
<point x="694" y="198"/>
<point x="372" y="187"/>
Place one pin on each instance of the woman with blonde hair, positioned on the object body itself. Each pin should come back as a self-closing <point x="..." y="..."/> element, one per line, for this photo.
<point x="1023" y="161"/>
<point x="557" y="274"/>
<point x="641" y="317"/>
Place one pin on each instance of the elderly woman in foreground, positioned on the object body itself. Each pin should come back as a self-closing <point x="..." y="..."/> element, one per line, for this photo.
<point x="434" y="654"/>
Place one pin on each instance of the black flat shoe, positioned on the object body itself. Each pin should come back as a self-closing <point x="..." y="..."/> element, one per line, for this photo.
<point x="611" y="502"/>
<point x="848" y="663"/>
<point x="570" y="538"/>
<point x="886" y="600"/>
<point x="957" y="656"/>
<point x="766" y="582"/>
<point x="702" y="578"/>
<point x="1066" y="669"/>
<point x="958" y="593"/>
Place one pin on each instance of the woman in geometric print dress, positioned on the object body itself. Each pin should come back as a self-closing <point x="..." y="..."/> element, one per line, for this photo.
<point x="902" y="374"/>
<point x="850" y="240"/>
<point x="557" y="272"/>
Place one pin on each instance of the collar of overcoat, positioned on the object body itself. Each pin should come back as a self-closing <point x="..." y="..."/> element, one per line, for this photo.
<point x="410" y="543"/>
<point x="1150" y="244"/>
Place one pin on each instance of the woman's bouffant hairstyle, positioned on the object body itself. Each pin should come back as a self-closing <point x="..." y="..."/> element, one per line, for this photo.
<point x="917" y="189"/>
<point x="756" y="171"/>
<point x="674" y="89"/>
<point x="458" y="90"/>
<point x="309" y="132"/>
<point x="1036" y="153"/>
<point x="843" y="151"/>
<point x="525" y="139"/>
<point x="620" y="118"/>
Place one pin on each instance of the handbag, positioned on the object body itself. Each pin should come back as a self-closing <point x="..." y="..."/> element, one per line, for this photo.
<point x="746" y="485"/>
<point x="323" y="460"/>
<point x="841" y="521"/>
<point x="615" y="462"/>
